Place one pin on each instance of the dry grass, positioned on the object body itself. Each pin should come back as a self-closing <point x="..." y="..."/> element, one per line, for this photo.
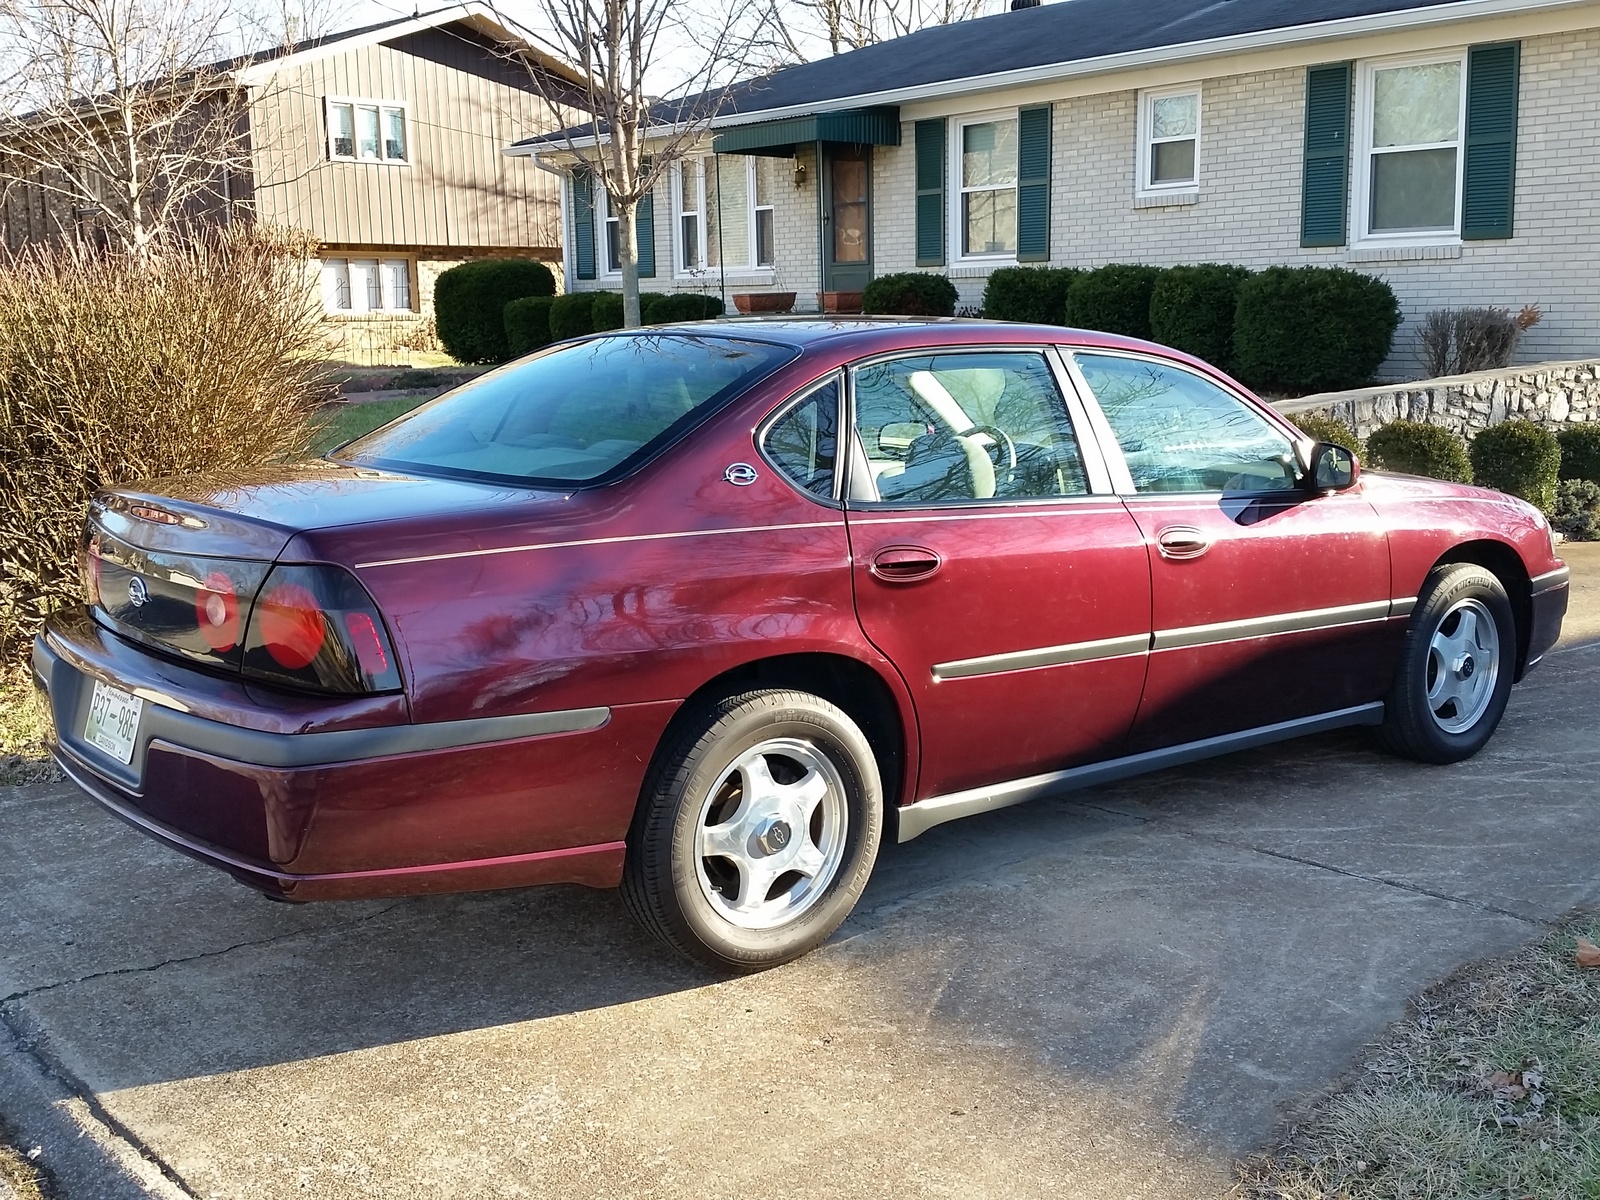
<point x="1488" y="1090"/>
<point x="23" y="729"/>
<point x="20" y="1175"/>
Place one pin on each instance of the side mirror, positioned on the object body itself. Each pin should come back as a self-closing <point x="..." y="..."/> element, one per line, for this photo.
<point x="1333" y="468"/>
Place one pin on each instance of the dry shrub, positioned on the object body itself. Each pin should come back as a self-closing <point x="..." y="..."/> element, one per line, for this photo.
<point x="1461" y="341"/>
<point x="112" y="369"/>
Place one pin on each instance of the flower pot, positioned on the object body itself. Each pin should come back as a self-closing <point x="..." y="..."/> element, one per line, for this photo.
<point x="839" y="302"/>
<point x="763" y="302"/>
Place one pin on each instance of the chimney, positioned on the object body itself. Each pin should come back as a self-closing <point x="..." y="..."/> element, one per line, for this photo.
<point x="1016" y="4"/>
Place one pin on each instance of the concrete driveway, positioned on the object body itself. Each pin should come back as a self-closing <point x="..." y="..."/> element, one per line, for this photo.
<point x="1112" y="994"/>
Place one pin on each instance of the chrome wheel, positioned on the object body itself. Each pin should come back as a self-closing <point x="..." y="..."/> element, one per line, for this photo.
<point x="771" y="834"/>
<point x="1463" y="666"/>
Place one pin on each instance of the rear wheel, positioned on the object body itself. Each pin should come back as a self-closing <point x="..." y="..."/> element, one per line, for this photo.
<point x="1456" y="667"/>
<point x="757" y="831"/>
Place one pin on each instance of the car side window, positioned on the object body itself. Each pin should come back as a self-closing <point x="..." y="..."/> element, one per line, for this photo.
<point x="952" y="427"/>
<point x="804" y="441"/>
<point x="1179" y="432"/>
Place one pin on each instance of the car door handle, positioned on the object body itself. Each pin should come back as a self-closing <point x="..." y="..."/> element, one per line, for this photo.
<point x="904" y="564"/>
<point x="1182" y="541"/>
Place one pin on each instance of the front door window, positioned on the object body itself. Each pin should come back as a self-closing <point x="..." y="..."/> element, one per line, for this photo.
<point x="849" y="204"/>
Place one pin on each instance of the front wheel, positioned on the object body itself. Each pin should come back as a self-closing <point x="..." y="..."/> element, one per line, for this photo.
<point x="1456" y="668"/>
<point x="757" y="831"/>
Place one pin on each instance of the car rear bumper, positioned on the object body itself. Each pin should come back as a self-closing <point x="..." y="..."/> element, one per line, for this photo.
<point x="359" y="809"/>
<point x="1548" y="608"/>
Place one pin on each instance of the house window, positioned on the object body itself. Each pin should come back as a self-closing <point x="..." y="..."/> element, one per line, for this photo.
<point x="1408" y="184"/>
<point x="612" y="264"/>
<point x="367" y="131"/>
<point x="1169" y="140"/>
<point x="986" y="187"/>
<point x="725" y="213"/>
<point x="354" y="285"/>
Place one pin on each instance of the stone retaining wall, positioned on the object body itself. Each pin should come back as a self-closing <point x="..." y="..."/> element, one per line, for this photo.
<point x="1553" y="394"/>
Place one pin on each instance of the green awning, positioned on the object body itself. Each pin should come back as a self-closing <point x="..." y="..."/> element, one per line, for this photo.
<point x="858" y="126"/>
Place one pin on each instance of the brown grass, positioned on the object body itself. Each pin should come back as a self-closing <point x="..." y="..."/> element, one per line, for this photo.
<point x="17" y="1172"/>
<point x="23" y="729"/>
<point x="1488" y="1090"/>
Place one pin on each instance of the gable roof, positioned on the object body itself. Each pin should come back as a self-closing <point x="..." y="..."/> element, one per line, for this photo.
<point x="1055" y="41"/>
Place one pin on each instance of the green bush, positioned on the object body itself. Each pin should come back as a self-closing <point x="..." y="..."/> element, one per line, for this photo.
<point x="469" y="304"/>
<point x="1312" y="329"/>
<point x="1580" y="452"/>
<point x="1036" y="295"/>
<point x="910" y="294"/>
<point x="1331" y="429"/>
<point x="1416" y="448"/>
<point x="606" y="312"/>
<point x="1113" y="299"/>
<point x="572" y="315"/>
<point x="679" y="306"/>
<point x="1520" y="458"/>
<point x="1577" y="510"/>
<point x="1191" y="309"/>
<point x="528" y="324"/>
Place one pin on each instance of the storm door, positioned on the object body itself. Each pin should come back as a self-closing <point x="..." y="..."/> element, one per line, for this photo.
<point x="846" y="217"/>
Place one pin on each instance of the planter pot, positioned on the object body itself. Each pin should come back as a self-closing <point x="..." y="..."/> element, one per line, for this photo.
<point x="763" y="302"/>
<point x="839" y="302"/>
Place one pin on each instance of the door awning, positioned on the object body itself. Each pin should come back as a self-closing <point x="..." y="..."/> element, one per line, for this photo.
<point x="857" y="126"/>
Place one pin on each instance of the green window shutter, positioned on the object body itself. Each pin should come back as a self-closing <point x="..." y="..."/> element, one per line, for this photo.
<point x="1488" y="177"/>
<point x="930" y="193"/>
<point x="583" y="222"/>
<point x="1325" y="187"/>
<point x="644" y="235"/>
<point x="1033" y="184"/>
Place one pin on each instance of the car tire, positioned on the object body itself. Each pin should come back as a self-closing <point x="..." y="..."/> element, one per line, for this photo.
<point x="1441" y="708"/>
<point x="757" y="829"/>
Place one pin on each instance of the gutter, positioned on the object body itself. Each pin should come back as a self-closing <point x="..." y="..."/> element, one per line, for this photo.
<point x="1294" y="35"/>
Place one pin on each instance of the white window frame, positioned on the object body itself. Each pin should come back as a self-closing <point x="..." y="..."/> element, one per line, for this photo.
<point x="1361" y="169"/>
<point x="385" y="293"/>
<point x="1143" y="184"/>
<point x="602" y="234"/>
<point x="383" y="107"/>
<point x="748" y="268"/>
<point x="956" y="217"/>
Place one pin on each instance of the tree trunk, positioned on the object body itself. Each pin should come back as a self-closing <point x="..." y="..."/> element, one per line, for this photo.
<point x="628" y="251"/>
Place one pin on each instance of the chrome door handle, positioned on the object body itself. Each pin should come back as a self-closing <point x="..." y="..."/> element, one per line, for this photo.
<point x="1182" y="541"/>
<point x="904" y="564"/>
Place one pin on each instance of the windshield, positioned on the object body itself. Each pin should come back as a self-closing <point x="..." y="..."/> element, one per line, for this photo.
<point x="575" y="415"/>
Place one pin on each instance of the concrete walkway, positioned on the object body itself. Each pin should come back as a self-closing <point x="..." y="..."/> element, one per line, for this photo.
<point x="1108" y="995"/>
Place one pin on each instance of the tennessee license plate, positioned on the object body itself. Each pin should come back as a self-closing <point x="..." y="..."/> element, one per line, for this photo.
<point x="113" y="721"/>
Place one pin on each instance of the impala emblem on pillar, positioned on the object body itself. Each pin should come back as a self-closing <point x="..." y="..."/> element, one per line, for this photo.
<point x="740" y="474"/>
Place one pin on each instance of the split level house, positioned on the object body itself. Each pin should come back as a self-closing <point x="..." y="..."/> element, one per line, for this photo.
<point x="1447" y="146"/>
<point x="384" y="144"/>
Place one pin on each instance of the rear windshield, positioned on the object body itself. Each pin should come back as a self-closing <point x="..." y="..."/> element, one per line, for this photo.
<point x="574" y="415"/>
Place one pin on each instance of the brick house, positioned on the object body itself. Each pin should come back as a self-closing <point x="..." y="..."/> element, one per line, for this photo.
<point x="1445" y="146"/>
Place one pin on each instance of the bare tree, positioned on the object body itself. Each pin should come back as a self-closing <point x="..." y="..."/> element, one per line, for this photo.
<point x="628" y="139"/>
<point x="121" y="112"/>
<point x="791" y="26"/>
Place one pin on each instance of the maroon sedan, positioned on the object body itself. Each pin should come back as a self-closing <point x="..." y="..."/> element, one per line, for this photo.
<point x="633" y="611"/>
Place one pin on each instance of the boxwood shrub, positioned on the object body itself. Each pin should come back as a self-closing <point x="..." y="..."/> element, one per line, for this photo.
<point x="1300" y="330"/>
<point x="1580" y="452"/>
<point x="1518" y="457"/>
<point x="678" y="306"/>
<point x="469" y="304"/>
<point x="1577" y="510"/>
<point x="1331" y="429"/>
<point x="1417" y="448"/>
<point x="1037" y="295"/>
<point x="1113" y="299"/>
<point x="572" y="315"/>
<point x="606" y="313"/>
<point x="1191" y="309"/>
<point x="910" y="294"/>
<point x="528" y="324"/>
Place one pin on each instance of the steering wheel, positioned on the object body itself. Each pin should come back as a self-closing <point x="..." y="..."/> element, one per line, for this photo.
<point x="997" y="437"/>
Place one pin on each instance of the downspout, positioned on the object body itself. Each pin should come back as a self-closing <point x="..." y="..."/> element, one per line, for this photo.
<point x="722" y="259"/>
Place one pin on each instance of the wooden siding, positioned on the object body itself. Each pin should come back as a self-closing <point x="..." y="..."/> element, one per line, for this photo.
<point x="458" y="190"/>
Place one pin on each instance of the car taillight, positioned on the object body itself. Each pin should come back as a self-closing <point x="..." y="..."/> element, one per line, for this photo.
<point x="316" y="627"/>
<point x="216" y="612"/>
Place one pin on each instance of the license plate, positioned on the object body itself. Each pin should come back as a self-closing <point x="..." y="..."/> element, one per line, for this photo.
<point x="113" y="723"/>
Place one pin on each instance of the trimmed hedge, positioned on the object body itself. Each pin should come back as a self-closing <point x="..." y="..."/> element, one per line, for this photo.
<point x="606" y="312"/>
<point x="1331" y="429"/>
<point x="678" y="306"/>
<point x="1580" y="452"/>
<point x="910" y="294"/>
<point x="1520" y="458"/>
<point x="1417" y="448"/>
<point x="469" y="304"/>
<point x="527" y="324"/>
<point x="572" y="315"/>
<point x="1312" y="329"/>
<point x="1191" y="309"/>
<point x="1577" y="510"/>
<point x="1113" y="299"/>
<point x="1036" y="295"/>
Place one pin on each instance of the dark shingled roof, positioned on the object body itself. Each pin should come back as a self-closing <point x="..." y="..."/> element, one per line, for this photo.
<point x="1052" y="34"/>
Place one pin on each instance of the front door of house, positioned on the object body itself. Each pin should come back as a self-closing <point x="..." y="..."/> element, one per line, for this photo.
<point x="846" y="217"/>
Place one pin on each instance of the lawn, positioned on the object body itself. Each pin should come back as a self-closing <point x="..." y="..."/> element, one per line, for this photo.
<point x="342" y="422"/>
<point x="1489" y="1089"/>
